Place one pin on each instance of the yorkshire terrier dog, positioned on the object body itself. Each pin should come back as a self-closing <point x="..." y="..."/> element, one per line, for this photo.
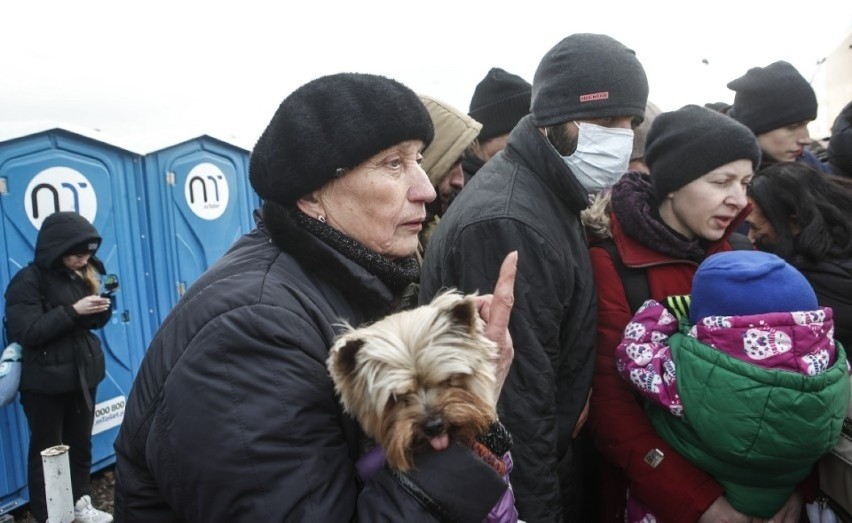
<point x="418" y="379"/>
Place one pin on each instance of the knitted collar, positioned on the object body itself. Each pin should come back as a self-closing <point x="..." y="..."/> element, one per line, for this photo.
<point x="632" y="204"/>
<point x="396" y="274"/>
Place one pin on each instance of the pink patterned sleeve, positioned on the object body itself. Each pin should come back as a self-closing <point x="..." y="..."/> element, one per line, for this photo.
<point x="644" y="359"/>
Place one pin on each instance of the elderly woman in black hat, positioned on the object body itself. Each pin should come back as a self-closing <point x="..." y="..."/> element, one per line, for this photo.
<point x="233" y="416"/>
<point x="52" y="305"/>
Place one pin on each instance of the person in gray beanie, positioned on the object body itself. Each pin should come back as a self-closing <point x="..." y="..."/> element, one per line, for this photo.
<point x="662" y="226"/>
<point x="242" y="356"/>
<point x="499" y="101"/>
<point x="776" y="102"/>
<point x="587" y="93"/>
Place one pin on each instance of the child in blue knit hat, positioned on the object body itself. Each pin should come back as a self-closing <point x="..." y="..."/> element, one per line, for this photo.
<point x="743" y="378"/>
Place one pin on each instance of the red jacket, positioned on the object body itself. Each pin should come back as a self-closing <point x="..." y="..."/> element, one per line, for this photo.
<point x="675" y="490"/>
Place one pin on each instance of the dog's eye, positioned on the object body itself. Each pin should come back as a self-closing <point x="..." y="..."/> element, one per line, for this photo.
<point x="395" y="398"/>
<point x="404" y="399"/>
<point x="456" y="380"/>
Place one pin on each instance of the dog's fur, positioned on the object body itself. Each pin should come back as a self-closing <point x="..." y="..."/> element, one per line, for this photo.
<point x="418" y="375"/>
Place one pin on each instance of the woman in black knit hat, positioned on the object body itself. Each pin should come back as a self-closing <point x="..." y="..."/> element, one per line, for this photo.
<point x="777" y="103"/>
<point x="662" y="225"/>
<point x="233" y="415"/>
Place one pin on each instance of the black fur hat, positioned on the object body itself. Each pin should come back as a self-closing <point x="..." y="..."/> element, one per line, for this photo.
<point x="330" y="125"/>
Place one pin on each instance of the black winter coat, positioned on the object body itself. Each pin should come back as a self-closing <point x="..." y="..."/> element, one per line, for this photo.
<point x="832" y="283"/>
<point x="233" y="415"/>
<point x="60" y="353"/>
<point x="526" y="199"/>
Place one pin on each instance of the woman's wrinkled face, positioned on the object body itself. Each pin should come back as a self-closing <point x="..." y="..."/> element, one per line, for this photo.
<point x="76" y="262"/>
<point x="761" y="233"/>
<point x="705" y="207"/>
<point x="785" y="144"/>
<point x="382" y="202"/>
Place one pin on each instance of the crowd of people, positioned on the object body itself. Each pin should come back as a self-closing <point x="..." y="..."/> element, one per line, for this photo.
<point x="670" y="293"/>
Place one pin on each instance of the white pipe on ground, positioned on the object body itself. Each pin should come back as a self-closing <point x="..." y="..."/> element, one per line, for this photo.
<point x="57" y="484"/>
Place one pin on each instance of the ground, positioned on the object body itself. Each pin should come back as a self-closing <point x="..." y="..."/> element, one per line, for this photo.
<point x="103" y="483"/>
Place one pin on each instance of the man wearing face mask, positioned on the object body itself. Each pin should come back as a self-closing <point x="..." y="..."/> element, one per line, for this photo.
<point x="588" y="92"/>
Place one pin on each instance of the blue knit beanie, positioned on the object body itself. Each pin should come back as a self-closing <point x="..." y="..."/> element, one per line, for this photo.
<point x="742" y="283"/>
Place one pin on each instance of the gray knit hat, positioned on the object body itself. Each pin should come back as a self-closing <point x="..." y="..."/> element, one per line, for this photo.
<point x="588" y="76"/>
<point x="329" y="125"/>
<point x="772" y="97"/>
<point x="686" y="144"/>
<point x="499" y="102"/>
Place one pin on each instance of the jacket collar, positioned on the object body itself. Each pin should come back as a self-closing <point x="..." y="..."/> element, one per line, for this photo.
<point x="352" y="280"/>
<point x="635" y="254"/>
<point x="529" y="144"/>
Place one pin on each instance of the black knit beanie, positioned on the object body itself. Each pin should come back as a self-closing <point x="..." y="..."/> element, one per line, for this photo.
<point x="499" y="102"/>
<point x="840" y="143"/>
<point x="588" y="76"/>
<point x="686" y="144"/>
<point x="772" y="97"/>
<point x="329" y="125"/>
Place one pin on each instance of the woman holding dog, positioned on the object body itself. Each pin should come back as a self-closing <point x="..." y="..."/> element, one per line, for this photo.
<point x="233" y="415"/>
<point x="663" y="226"/>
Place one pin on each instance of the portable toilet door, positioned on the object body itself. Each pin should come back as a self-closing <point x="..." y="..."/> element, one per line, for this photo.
<point x="58" y="170"/>
<point x="201" y="202"/>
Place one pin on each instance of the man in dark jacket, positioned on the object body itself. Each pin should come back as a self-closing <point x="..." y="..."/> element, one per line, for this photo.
<point x="588" y="90"/>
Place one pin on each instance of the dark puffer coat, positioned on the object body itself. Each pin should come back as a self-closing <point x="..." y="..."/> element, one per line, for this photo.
<point x="832" y="282"/>
<point x="233" y="415"/>
<point x="60" y="354"/>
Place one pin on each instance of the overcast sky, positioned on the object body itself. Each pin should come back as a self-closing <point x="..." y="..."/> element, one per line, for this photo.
<point x="148" y="72"/>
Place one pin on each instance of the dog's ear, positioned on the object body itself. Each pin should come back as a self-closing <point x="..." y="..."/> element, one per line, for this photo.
<point x="463" y="314"/>
<point x="344" y="359"/>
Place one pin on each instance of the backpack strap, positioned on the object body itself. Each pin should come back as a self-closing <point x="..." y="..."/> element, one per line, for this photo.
<point x="634" y="280"/>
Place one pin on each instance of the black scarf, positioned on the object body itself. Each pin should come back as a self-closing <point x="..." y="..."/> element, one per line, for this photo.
<point x="396" y="274"/>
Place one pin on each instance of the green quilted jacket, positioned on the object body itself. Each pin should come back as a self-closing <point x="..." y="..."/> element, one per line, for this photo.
<point x="757" y="431"/>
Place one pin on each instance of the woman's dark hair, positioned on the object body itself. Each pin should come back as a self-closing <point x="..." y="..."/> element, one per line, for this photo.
<point x="819" y="204"/>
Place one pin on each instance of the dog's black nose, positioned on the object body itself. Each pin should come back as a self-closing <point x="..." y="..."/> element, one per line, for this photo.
<point x="434" y="427"/>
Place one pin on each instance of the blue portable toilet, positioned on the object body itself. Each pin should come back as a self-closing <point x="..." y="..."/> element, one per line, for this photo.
<point x="200" y="203"/>
<point x="44" y="169"/>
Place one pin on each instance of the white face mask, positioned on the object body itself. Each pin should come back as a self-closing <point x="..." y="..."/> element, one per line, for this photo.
<point x="601" y="157"/>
